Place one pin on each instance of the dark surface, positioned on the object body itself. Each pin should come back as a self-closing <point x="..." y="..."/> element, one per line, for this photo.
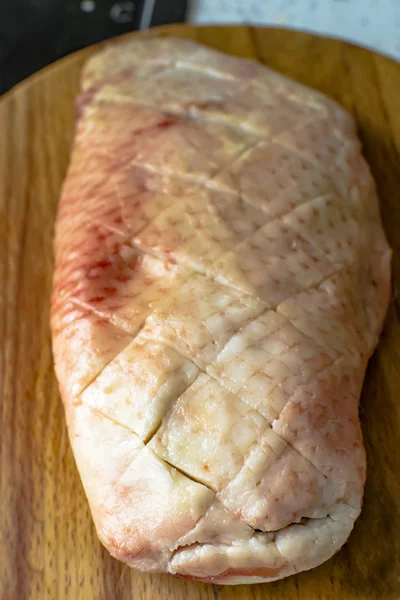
<point x="34" y="33"/>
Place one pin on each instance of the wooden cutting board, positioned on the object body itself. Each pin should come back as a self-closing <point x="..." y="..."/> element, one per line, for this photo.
<point x="48" y="545"/>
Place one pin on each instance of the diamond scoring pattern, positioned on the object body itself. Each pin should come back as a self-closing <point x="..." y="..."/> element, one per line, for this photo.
<point x="226" y="363"/>
<point x="266" y="361"/>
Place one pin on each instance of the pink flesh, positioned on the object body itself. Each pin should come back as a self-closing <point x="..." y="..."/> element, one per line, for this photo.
<point x="221" y="281"/>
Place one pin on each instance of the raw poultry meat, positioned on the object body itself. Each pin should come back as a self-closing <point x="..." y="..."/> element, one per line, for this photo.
<point x="221" y="280"/>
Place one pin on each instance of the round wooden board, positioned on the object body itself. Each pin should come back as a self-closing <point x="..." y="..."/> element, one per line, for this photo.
<point x="48" y="546"/>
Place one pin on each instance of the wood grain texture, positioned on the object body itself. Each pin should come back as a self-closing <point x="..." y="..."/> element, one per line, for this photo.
<point x="48" y="546"/>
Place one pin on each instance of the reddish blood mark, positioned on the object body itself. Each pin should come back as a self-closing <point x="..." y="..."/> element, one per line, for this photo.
<point x="110" y="291"/>
<point x="167" y="122"/>
<point x="96" y="299"/>
<point x="122" y="278"/>
<point x="102" y="264"/>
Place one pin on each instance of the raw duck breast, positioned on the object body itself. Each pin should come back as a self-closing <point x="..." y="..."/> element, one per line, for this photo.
<point x="221" y="280"/>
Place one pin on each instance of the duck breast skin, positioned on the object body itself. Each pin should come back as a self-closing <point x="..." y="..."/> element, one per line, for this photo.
<point x="221" y="280"/>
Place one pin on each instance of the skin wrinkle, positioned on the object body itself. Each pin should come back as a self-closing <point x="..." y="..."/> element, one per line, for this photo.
<point x="256" y="533"/>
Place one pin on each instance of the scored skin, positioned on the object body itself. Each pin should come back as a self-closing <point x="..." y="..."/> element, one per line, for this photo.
<point x="221" y="280"/>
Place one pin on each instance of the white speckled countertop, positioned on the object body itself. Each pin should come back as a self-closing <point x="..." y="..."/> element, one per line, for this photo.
<point x="371" y="23"/>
